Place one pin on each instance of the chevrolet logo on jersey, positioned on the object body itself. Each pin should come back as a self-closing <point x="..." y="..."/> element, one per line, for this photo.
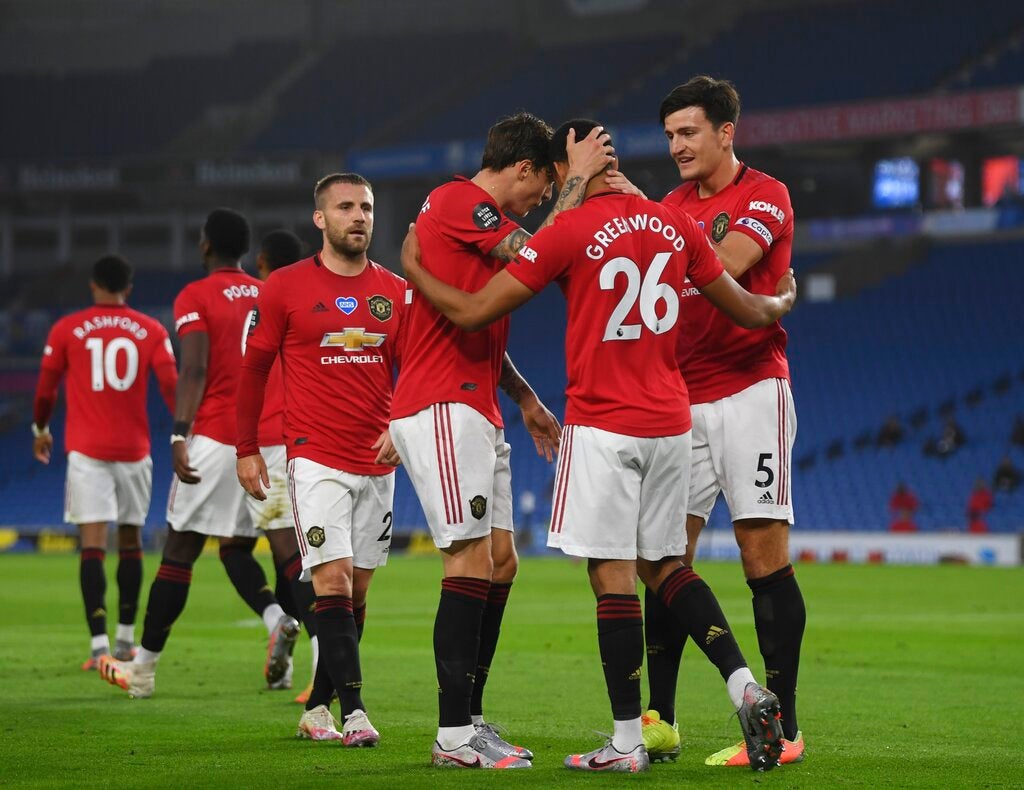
<point x="353" y="339"/>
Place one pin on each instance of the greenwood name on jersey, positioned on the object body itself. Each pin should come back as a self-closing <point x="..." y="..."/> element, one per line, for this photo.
<point x="622" y="262"/>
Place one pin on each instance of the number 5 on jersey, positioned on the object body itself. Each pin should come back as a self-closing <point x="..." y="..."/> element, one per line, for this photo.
<point x="649" y="291"/>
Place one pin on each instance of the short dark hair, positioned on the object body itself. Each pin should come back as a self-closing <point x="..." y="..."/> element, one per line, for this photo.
<point x="112" y="273"/>
<point x="583" y="127"/>
<point x="513" y="139"/>
<point x="280" y="248"/>
<point x="228" y="233"/>
<point x="331" y="179"/>
<point x="718" y="98"/>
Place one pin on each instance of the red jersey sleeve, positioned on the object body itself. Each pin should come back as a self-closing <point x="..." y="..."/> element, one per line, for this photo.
<point x="704" y="265"/>
<point x="544" y="258"/>
<point x="55" y="353"/>
<point x="165" y="369"/>
<point x="267" y="320"/>
<point x="471" y="219"/>
<point x="189" y="315"/>
<point x="766" y="215"/>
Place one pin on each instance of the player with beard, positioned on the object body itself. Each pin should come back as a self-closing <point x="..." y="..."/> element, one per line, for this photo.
<point x="335" y="321"/>
<point x="620" y="491"/>
<point x="744" y="421"/>
<point x="210" y="318"/>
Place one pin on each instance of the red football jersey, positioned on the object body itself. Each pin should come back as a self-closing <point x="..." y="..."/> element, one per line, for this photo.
<point x="621" y="262"/>
<point x="107" y="352"/>
<point x="718" y="358"/>
<point x="218" y="304"/>
<point x="338" y="340"/>
<point x="271" y="430"/>
<point x="457" y="227"/>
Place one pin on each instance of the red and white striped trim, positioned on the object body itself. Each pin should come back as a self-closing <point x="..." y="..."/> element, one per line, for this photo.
<point x="448" y="473"/>
<point x="562" y="479"/>
<point x="782" y="487"/>
<point x="299" y="535"/>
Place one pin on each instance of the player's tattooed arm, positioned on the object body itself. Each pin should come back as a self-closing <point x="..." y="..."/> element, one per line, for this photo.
<point x="512" y="383"/>
<point x="508" y="248"/>
<point x="586" y="159"/>
<point x="539" y="421"/>
<point x="571" y="196"/>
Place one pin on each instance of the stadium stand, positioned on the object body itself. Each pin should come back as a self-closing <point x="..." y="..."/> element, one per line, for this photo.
<point x="855" y="361"/>
<point x="121" y="113"/>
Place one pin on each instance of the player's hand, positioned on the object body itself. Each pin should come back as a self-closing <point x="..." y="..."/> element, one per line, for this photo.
<point x="543" y="427"/>
<point x="42" y="446"/>
<point x="179" y="458"/>
<point x="411" y="255"/>
<point x="252" y="472"/>
<point x="617" y="180"/>
<point x="386" y="452"/>
<point x="785" y="289"/>
<point x="591" y="155"/>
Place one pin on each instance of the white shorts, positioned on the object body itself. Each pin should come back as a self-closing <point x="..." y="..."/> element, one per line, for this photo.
<point x="741" y="447"/>
<point x="104" y="491"/>
<point x="215" y="505"/>
<point x="459" y="465"/>
<point x="620" y="497"/>
<point x="339" y="514"/>
<point x="274" y="512"/>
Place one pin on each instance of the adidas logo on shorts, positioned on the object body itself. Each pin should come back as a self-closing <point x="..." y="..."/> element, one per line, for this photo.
<point x="766" y="499"/>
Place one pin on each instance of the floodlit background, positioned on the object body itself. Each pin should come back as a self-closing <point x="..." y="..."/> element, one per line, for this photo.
<point x="898" y="128"/>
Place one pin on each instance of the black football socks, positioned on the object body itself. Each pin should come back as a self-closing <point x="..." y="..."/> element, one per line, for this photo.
<point x="690" y="599"/>
<point x="247" y="576"/>
<point x="167" y="597"/>
<point x="779" y="617"/>
<point x="93" y="581"/>
<point x="129" y="584"/>
<point x="457" y="646"/>
<point x="665" y="642"/>
<point x="490" y="630"/>
<point x="339" y="649"/>
<point x="620" y="637"/>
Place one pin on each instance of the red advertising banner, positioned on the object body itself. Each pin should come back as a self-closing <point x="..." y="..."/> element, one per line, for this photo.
<point x="882" y="118"/>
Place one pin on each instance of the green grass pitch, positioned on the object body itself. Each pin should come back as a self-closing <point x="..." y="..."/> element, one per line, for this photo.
<point x="910" y="677"/>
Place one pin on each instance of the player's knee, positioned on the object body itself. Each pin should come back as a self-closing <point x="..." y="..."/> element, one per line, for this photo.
<point x="764" y="549"/>
<point x="129" y="536"/>
<point x="505" y="567"/>
<point x="183" y="547"/>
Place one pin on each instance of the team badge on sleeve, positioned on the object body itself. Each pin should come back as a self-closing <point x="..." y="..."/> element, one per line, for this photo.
<point x="380" y="307"/>
<point x="315" y="536"/>
<point x="486" y="216"/>
<point x="478" y="506"/>
<point x="719" y="227"/>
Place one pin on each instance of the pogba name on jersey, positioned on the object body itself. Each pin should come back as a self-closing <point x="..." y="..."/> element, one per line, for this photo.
<point x="620" y="226"/>
<point x="110" y="322"/>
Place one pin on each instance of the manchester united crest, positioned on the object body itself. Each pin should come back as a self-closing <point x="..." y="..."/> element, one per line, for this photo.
<point x="719" y="227"/>
<point x="380" y="307"/>
<point x="315" y="536"/>
<point x="478" y="506"/>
